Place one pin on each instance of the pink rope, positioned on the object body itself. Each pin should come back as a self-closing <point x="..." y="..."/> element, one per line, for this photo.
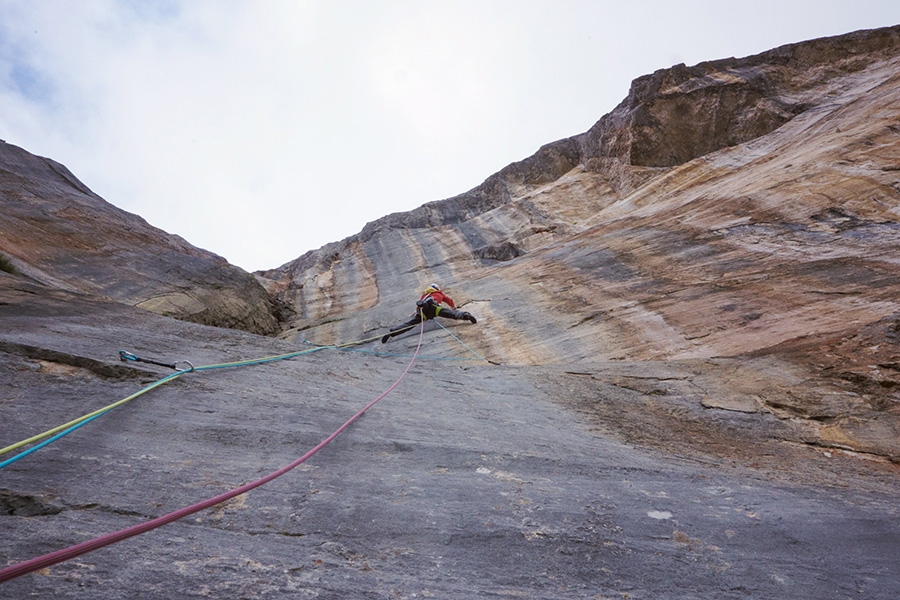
<point x="42" y="562"/>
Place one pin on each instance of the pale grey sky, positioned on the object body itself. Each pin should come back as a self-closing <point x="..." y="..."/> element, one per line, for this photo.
<point x="263" y="129"/>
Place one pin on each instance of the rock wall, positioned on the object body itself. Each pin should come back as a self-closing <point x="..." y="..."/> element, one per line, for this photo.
<point x="681" y="113"/>
<point x="702" y="368"/>
<point x="662" y="190"/>
<point x="738" y="208"/>
<point x="466" y="482"/>
<point x="57" y="232"/>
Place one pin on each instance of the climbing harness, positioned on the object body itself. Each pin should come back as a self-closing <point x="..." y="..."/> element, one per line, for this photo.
<point x="47" y="560"/>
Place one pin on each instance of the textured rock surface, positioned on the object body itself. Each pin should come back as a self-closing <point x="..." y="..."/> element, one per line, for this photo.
<point x="695" y="308"/>
<point x="59" y="233"/>
<point x="739" y="207"/>
<point x="469" y="480"/>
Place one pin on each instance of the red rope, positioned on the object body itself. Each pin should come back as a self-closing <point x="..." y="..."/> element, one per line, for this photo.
<point x="42" y="562"/>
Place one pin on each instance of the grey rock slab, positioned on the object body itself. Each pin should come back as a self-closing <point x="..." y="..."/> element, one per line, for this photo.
<point x="470" y="480"/>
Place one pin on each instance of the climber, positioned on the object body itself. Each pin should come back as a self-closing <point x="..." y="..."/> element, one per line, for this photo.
<point x="429" y="307"/>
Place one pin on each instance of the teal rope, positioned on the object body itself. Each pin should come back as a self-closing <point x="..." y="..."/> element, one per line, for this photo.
<point x="261" y="361"/>
<point x="65" y="432"/>
<point x="461" y="342"/>
<point x="373" y="352"/>
<point x="242" y="364"/>
<point x="47" y="442"/>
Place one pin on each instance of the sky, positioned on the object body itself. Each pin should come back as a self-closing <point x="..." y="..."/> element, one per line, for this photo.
<point x="261" y="129"/>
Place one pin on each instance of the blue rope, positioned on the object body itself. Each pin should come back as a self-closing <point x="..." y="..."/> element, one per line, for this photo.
<point x="49" y="441"/>
<point x="65" y="432"/>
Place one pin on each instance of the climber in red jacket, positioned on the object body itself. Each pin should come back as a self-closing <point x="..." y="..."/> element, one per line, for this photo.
<point x="429" y="307"/>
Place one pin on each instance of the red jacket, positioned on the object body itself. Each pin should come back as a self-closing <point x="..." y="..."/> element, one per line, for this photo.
<point x="440" y="298"/>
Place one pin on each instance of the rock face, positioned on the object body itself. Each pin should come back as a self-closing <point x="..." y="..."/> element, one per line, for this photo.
<point x="693" y="304"/>
<point x="738" y="207"/>
<point x="57" y="232"/>
<point x="682" y="113"/>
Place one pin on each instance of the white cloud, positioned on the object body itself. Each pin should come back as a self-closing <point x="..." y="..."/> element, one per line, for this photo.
<point x="262" y="130"/>
<point x="430" y="68"/>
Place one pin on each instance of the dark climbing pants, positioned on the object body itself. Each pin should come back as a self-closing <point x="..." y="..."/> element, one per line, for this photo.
<point x="430" y="312"/>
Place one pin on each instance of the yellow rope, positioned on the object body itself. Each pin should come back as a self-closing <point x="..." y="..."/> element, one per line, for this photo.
<point x="50" y="432"/>
<point x="166" y="379"/>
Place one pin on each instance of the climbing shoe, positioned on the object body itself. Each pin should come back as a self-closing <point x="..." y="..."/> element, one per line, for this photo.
<point x="385" y="338"/>
<point x="470" y="318"/>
